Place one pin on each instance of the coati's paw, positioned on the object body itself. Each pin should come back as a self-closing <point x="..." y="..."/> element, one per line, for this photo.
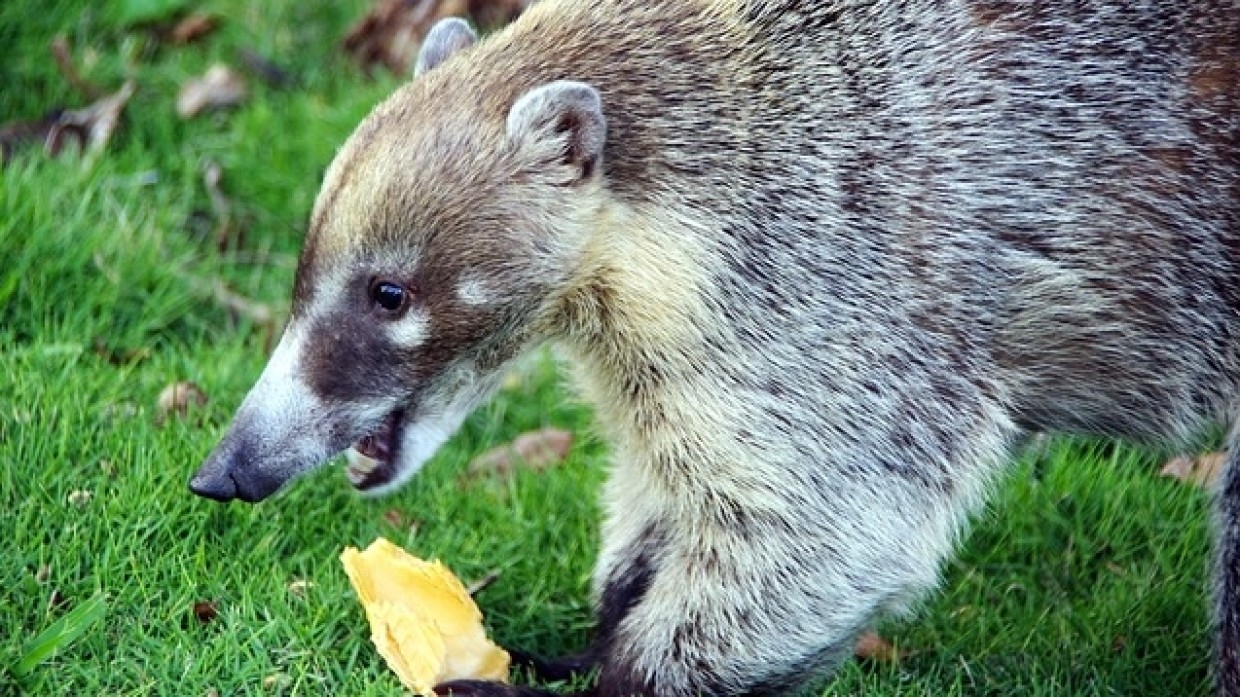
<point x="551" y="670"/>
<point x="483" y="688"/>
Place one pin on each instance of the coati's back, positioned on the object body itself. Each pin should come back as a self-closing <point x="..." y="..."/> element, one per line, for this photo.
<point x="1045" y="195"/>
<point x="1064" y="178"/>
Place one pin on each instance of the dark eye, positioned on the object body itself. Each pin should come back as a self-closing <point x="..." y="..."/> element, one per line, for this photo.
<point x="387" y="295"/>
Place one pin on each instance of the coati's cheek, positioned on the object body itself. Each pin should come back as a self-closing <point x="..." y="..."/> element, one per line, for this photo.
<point x="420" y="439"/>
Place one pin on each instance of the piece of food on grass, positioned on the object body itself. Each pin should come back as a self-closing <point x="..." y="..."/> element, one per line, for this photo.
<point x="422" y="620"/>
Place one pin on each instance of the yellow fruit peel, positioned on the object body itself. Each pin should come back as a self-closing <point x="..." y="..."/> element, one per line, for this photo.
<point x="422" y="620"/>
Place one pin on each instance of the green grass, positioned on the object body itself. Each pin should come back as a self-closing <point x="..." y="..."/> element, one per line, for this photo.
<point x="1086" y="576"/>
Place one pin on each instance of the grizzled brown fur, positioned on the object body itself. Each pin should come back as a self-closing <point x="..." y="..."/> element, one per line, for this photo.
<point x="822" y="267"/>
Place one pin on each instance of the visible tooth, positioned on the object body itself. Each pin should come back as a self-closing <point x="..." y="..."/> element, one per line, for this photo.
<point x="359" y="466"/>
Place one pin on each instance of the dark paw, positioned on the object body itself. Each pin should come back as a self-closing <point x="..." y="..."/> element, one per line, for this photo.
<point x="481" y="688"/>
<point x="560" y="669"/>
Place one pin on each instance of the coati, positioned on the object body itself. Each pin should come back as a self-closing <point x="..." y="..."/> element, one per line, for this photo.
<point x="821" y="267"/>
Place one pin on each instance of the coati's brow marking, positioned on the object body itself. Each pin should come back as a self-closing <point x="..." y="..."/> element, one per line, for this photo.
<point x="412" y="330"/>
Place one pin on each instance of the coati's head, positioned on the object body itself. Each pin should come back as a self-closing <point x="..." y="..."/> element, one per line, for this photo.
<point x="442" y="229"/>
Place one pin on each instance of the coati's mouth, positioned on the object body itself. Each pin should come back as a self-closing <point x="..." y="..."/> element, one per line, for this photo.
<point x="372" y="459"/>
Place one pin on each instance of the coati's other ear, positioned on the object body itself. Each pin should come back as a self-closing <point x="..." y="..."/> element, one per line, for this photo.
<point x="560" y="125"/>
<point x="444" y="39"/>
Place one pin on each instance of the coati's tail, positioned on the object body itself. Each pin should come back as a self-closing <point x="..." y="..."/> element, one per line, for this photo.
<point x="1227" y="593"/>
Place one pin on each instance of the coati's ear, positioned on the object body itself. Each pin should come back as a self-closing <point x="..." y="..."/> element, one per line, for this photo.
<point x="560" y="127"/>
<point x="444" y="39"/>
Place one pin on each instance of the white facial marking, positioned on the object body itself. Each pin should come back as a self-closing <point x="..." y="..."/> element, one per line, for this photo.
<point x="411" y="330"/>
<point x="281" y="404"/>
<point x="473" y="292"/>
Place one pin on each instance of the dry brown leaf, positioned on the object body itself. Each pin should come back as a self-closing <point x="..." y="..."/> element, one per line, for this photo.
<point x="390" y="34"/>
<point x="205" y="611"/>
<point x="872" y="647"/>
<point x="1201" y="470"/>
<point x="400" y="520"/>
<point x="194" y="27"/>
<point x="177" y="399"/>
<point x="87" y="129"/>
<point x="91" y="128"/>
<point x="16" y="135"/>
<point x="218" y="88"/>
<point x="536" y="450"/>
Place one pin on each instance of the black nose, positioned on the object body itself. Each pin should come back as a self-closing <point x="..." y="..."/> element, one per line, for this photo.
<point x="214" y="485"/>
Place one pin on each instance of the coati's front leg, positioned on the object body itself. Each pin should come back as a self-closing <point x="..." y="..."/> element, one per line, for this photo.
<point x="731" y="595"/>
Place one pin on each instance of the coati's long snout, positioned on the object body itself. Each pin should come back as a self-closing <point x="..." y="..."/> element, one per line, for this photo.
<point x="281" y="430"/>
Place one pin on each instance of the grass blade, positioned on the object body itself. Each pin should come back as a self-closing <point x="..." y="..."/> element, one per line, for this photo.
<point x="60" y="634"/>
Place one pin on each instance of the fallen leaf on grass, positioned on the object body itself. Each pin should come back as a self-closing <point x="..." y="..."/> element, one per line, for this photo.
<point x="536" y="450"/>
<point x="490" y="14"/>
<point x="90" y="128"/>
<point x="398" y="519"/>
<point x="206" y="611"/>
<point x="87" y="129"/>
<point x="872" y="647"/>
<point x="390" y="34"/>
<point x="1202" y="470"/>
<point x="218" y="88"/>
<point x="177" y="399"/>
<point x="18" y="134"/>
<point x="193" y="27"/>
